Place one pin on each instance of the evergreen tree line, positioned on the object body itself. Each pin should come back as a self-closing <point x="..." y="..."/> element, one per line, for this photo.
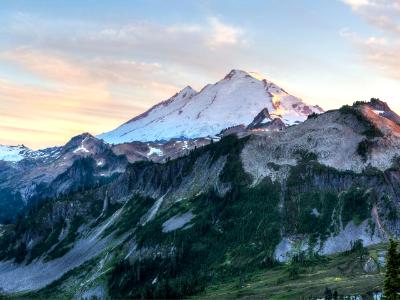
<point x="391" y="289"/>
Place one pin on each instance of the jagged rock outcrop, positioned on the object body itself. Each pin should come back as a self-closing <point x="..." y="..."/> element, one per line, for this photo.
<point x="382" y="108"/>
<point x="248" y="202"/>
<point x="83" y="162"/>
<point x="170" y="129"/>
<point x="262" y="117"/>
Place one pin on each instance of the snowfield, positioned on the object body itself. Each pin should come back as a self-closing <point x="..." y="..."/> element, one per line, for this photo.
<point x="234" y="100"/>
<point x="12" y="153"/>
<point x="20" y="152"/>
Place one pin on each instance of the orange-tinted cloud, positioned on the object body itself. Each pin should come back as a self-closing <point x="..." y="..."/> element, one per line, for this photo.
<point x="73" y="99"/>
<point x="382" y="49"/>
<point x="88" y="80"/>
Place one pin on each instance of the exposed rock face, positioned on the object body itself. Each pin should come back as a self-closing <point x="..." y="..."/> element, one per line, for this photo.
<point x="265" y="197"/>
<point x="177" y="222"/>
<point x="371" y="266"/>
<point x="84" y="161"/>
<point x="233" y="130"/>
<point x="334" y="137"/>
<point x="379" y="105"/>
<point x="169" y="181"/>
<point x="274" y="125"/>
<point x="158" y="152"/>
<point x="236" y="104"/>
<point x="383" y="109"/>
<point x="263" y="116"/>
<point x="333" y="140"/>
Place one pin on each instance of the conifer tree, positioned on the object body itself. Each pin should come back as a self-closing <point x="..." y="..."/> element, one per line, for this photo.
<point x="328" y="293"/>
<point x="391" y="290"/>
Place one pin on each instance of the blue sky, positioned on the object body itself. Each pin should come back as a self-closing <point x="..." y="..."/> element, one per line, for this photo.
<point x="73" y="66"/>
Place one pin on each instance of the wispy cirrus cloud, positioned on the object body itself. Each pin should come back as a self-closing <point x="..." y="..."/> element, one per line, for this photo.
<point x="47" y="66"/>
<point x="72" y="96"/>
<point x="356" y="4"/>
<point x="180" y="45"/>
<point x="223" y="34"/>
<point x="383" y="48"/>
<point x="99" y="75"/>
<point x="55" y="113"/>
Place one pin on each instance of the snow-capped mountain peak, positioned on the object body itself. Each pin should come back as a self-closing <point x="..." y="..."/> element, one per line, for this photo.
<point x="188" y="90"/>
<point x="235" y="100"/>
<point x="236" y="74"/>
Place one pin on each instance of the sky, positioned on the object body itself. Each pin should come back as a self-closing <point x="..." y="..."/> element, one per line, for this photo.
<point x="74" y="66"/>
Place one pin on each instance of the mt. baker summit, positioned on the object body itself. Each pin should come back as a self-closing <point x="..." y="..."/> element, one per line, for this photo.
<point x="235" y="100"/>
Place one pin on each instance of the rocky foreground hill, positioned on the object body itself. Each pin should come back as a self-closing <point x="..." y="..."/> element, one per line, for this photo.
<point x="255" y="200"/>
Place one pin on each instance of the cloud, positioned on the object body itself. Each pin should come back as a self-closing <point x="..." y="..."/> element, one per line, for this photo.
<point x="223" y="34"/>
<point x="382" y="50"/>
<point x="73" y="96"/>
<point x="356" y="4"/>
<point x="211" y="46"/>
<point x="47" y="66"/>
<point x="92" y="77"/>
<point x="56" y="113"/>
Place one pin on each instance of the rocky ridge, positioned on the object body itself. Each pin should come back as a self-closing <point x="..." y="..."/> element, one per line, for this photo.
<point x="244" y="202"/>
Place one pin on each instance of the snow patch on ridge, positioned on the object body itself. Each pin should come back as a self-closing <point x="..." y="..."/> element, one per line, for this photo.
<point x="82" y="147"/>
<point x="155" y="151"/>
<point x="12" y="153"/>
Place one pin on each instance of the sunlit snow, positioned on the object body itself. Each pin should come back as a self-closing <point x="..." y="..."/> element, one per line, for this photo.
<point x="235" y="100"/>
<point x="155" y="151"/>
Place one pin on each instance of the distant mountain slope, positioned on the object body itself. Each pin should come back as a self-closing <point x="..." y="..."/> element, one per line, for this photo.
<point x="12" y="153"/>
<point x="235" y="100"/>
<point x="239" y="103"/>
<point x="20" y="152"/>
<point x="27" y="175"/>
<point x="241" y="205"/>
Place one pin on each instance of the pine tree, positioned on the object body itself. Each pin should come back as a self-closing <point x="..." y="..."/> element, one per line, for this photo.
<point x="335" y="295"/>
<point x="328" y="293"/>
<point x="391" y="288"/>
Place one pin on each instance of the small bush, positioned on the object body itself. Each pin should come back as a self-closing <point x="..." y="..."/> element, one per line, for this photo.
<point x="356" y="206"/>
<point x="363" y="149"/>
<point x="357" y="247"/>
<point x="371" y="131"/>
<point x="312" y="116"/>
